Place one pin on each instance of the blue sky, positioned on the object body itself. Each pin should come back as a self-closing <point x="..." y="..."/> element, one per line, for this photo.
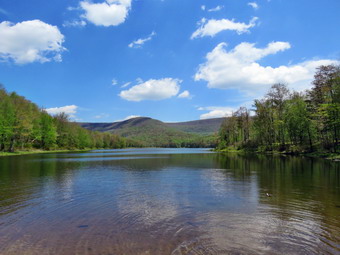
<point x="171" y="60"/>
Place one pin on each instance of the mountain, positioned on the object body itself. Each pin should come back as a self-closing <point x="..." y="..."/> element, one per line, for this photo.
<point x="151" y="132"/>
<point x="204" y="127"/>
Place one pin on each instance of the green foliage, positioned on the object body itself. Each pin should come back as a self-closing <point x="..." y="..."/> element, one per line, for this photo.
<point x="290" y="122"/>
<point x="23" y="126"/>
<point x="298" y="122"/>
<point x="48" y="133"/>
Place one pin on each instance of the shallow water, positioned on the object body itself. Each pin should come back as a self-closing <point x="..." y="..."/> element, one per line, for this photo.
<point x="168" y="201"/>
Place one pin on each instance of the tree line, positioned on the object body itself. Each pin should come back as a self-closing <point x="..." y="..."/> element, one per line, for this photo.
<point x="24" y="126"/>
<point x="289" y="121"/>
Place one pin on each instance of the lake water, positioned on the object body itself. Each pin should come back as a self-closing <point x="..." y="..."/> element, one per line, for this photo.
<point x="168" y="201"/>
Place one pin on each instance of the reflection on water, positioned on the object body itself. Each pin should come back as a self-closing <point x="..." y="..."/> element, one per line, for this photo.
<point x="168" y="201"/>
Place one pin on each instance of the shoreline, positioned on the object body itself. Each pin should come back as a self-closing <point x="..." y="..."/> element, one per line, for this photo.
<point x="335" y="157"/>
<point x="19" y="153"/>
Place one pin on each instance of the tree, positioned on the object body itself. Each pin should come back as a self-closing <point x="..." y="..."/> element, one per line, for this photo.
<point x="323" y="90"/>
<point x="325" y="101"/>
<point x="298" y="121"/>
<point x="7" y="122"/>
<point x="277" y="97"/>
<point x="48" y="131"/>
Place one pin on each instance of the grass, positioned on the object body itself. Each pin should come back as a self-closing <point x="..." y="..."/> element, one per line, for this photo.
<point x="27" y="152"/>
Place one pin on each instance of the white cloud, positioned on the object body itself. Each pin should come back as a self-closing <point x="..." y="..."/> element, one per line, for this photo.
<point x="71" y="8"/>
<point x="125" y="84"/>
<point x="238" y="69"/>
<point x="212" y="27"/>
<point x="108" y="13"/>
<point x="215" y="112"/>
<point x="30" y="41"/>
<point x="185" y="94"/>
<point x="70" y="110"/>
<point x="152" y="90"/>
<point x="131" y="117"/>
<point x="75" y="23"/>
<point x="114" y="82"/>
<point x="102" y="116"/>
<point x="254" y="5"/>
<point x="217" y="8"/>
<point x="128" y="117"/>
<point x="138" y="43"/>
<point x="139" y="80"/>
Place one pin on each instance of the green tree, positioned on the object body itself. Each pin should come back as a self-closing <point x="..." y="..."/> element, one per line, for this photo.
<point x="298" y="121"/>
<point x="7" y="122"/>
<point x="48" y="131"/>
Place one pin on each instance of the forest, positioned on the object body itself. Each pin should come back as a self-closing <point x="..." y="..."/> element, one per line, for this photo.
<point x="24" y="126"/>
<point x="288" y="121"/>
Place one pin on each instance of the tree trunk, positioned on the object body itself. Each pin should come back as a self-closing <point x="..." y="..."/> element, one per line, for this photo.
<point x="310" y="140"/>
<point x="11" y="146"/>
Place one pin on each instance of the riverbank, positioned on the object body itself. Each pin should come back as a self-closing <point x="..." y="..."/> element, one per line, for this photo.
<point x="324" y="155"/>
<point x="18" y="153"/>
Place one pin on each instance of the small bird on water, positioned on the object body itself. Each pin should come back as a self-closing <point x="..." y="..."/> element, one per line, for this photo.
<point x="268" y="195"/>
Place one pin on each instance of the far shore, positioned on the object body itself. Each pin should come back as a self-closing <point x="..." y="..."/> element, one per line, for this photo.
<point x="325" y="155"/>
<point x="329" y="156"/>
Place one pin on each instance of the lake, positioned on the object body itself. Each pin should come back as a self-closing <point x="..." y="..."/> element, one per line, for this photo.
<point x="168" y="201"/>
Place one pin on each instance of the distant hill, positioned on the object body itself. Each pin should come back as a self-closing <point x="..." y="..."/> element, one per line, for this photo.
<point x="151" y="132"/>
<point x="205" y="127"/>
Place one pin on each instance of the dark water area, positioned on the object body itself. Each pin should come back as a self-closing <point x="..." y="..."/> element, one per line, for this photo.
<point x="168" y="201"/>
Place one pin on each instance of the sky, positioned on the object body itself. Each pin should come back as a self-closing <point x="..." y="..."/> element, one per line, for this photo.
<point x="172" y="60"/>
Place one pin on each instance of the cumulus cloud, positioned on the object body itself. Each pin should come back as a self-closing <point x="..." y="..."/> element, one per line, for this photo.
<point x="212" y="27"/>
<point x="30" y="41"/>
<point x="138" y="43"/>
<point x="239" y="68"/>
<point x="152" y="90"/>
<point x="185" y="94"/>
<point x="70" y="110"/>
<point x="108" y="13"/>
<point x="254" y="5"/>
<point x="215" y="112"/>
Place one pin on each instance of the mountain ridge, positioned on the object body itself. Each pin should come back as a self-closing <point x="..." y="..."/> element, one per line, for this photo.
<point x="152" y="132"/>
<point x="206" y="126"/>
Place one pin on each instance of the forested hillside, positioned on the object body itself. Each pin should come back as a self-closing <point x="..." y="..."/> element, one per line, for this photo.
<point x="153" y="133"/>
<point x="24" y="126"/>
<point x="202" y="127"/>
<point x="288" y="121"/>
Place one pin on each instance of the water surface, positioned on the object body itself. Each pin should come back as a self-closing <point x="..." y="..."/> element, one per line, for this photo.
<point x="168" y="201"/>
